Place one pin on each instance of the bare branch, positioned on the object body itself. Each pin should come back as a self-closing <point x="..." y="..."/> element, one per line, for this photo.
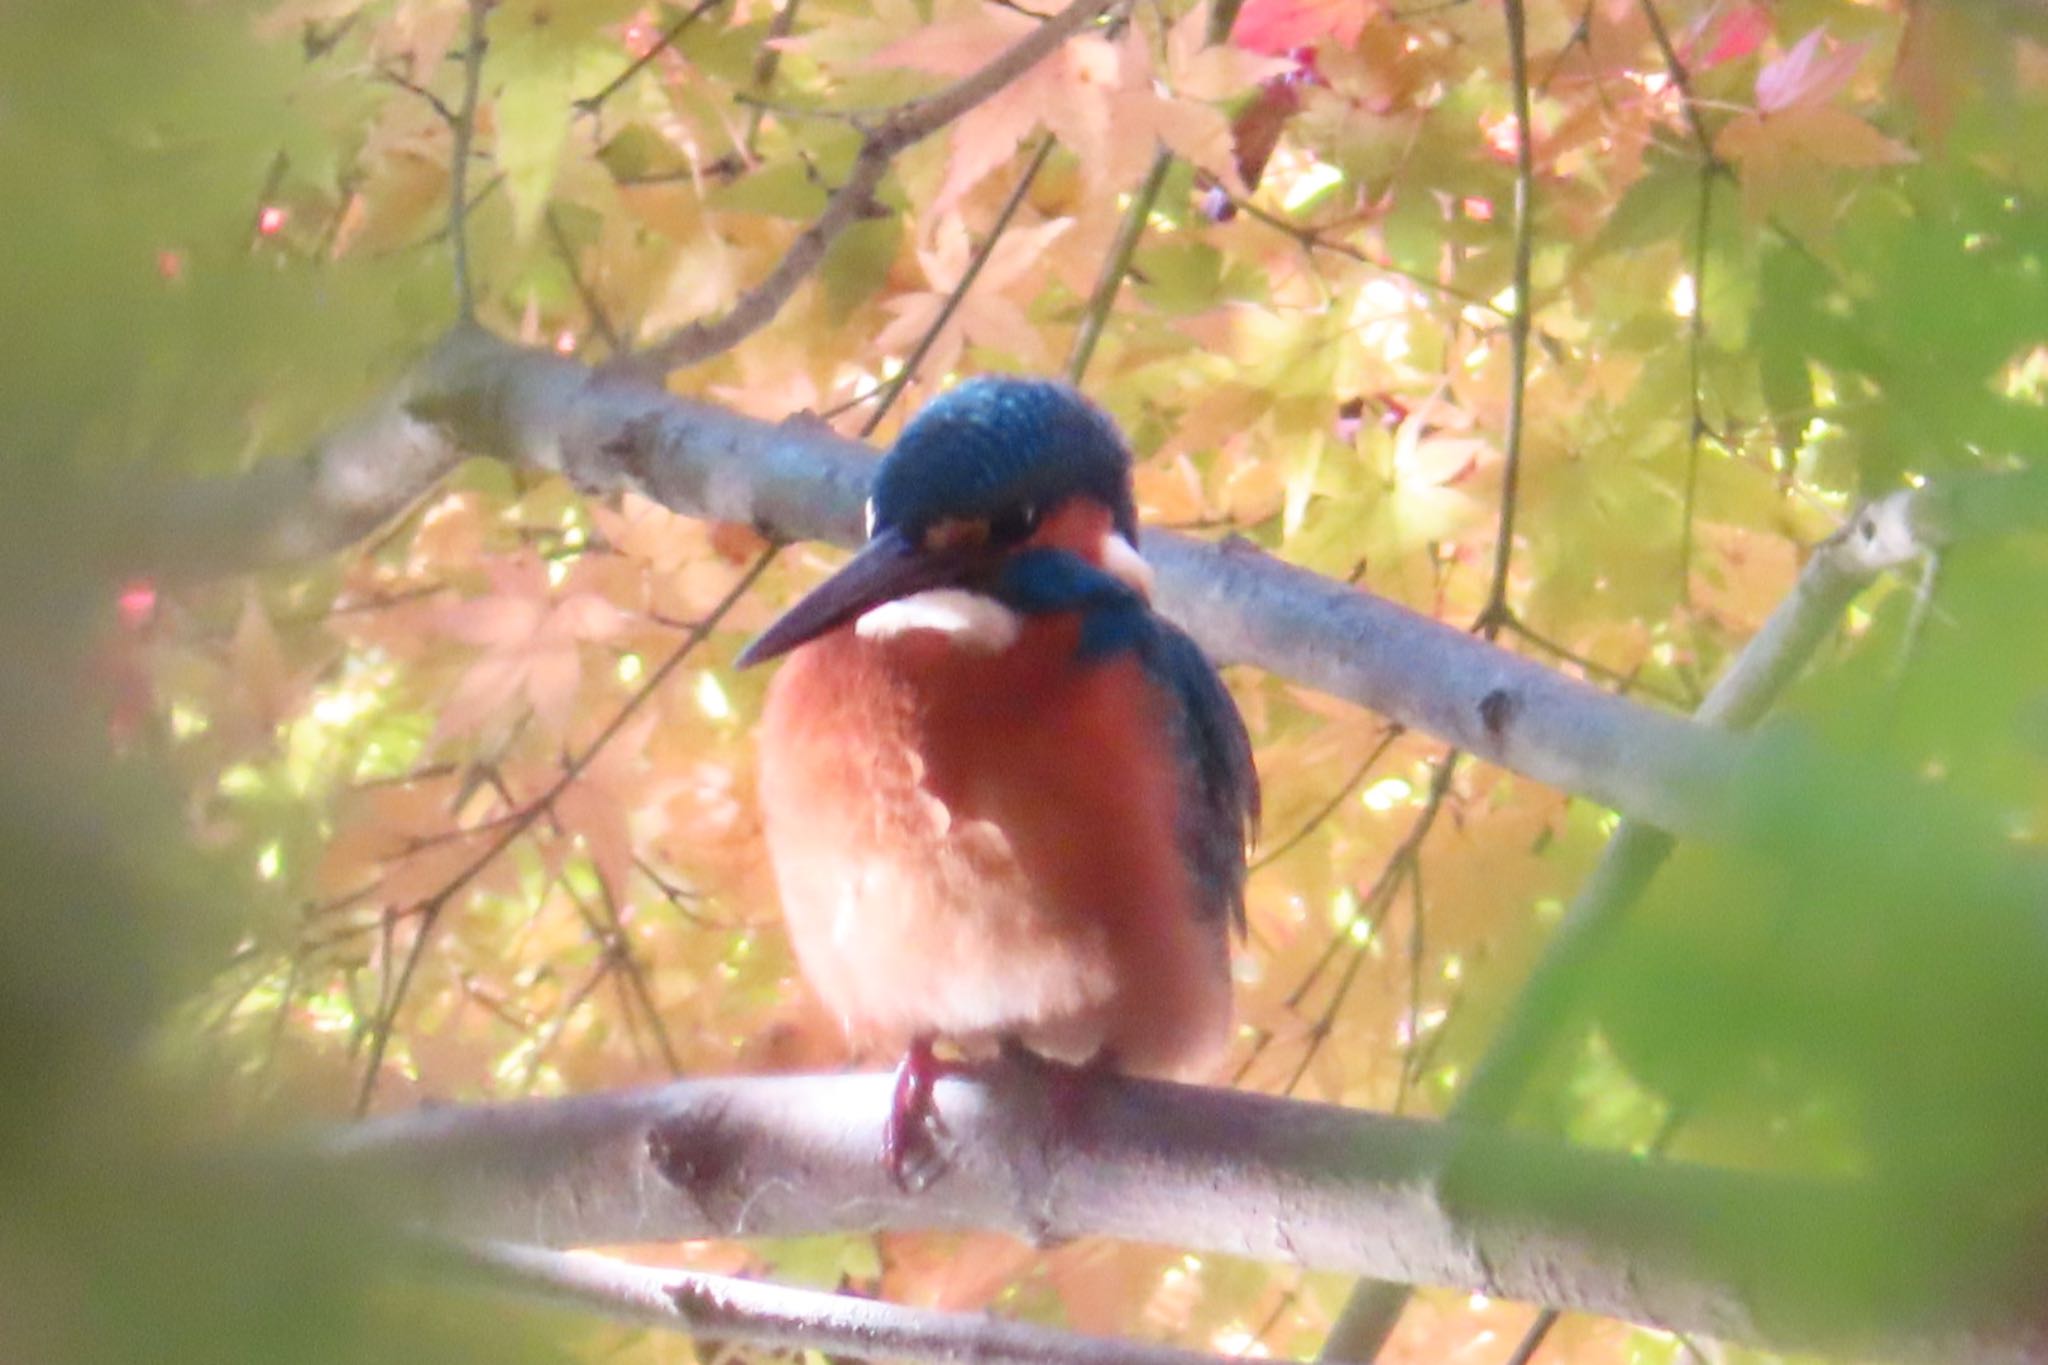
<point x="855" y="199"/>
<point x="798" y="480"/>
<point x="1116" y="265"/>
<point x="747" y="1312"/>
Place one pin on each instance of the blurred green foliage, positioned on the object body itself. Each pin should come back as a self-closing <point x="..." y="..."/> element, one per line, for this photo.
<point x="135" y="142"/>
<point x="1860" y="984"/>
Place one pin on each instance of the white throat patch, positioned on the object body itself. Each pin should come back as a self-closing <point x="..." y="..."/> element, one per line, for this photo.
<point x="968" y="619"/>
<point x="1124" y="562"/>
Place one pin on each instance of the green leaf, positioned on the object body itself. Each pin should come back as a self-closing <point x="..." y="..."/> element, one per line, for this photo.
<point x="857" y="264"/>
<point x="783" y="189"/>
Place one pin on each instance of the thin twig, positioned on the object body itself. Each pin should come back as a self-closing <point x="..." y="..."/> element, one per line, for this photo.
<point x="1682" y="80"/>
<point x="552" y="1033"/>
<point x="1532" y="1340"/>
<point x="594" y="103"/>
<point x="430" y="909"/>
<point x="1417" y="950"/>
<point x="1494" y="614"/>
<point x="1371" y="912"/>
<point x="1624" y="683"/>
<point x="392" y="76"/>
<point x="591" y="303"/>
<point x="1312" y="239"/>
<point x="1924" y="594"/>
<point x="888" y="393"/>
<point x="765" y="66"/>
<point x="896" y="130"/>
<point x="1696" y="323"/>
<point x="1118" y="264"/>
<point x="635" y="975"/>
<point x="464" y="127"/>
<point x="1337" y="799"/>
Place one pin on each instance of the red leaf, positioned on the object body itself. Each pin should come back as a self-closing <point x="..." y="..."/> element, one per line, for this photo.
<point x="136" y="606"/>
<point x="1277" y="27"/>
<point x="1741" y="34"/>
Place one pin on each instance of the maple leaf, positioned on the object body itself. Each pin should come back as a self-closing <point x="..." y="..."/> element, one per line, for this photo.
<point x="405" y="837"/>
<point x="989" y="134"/>
<point x="1277" y="27"/>
<point x="259" y="668"/>
<point x="1141" y="115"/>
<point x="1099" y="98"/>
<point x="1806" y="75"/>
<point x="1741" y="33"/>
<point x="1777" y="154"/>
<point x="987" y="316"/>
<point x="617" y="804"/>
<point x="532" y="646"/>
<point x="1794" y="130"/>
<point x="644" y="531"/>
<point x="1198" y="69"/>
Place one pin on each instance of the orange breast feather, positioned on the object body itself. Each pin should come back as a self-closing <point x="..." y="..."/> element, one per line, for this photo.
<point x="983" y="846"/>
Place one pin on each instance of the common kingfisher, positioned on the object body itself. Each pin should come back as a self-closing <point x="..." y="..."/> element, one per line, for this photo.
<point x="1006" y="802"/>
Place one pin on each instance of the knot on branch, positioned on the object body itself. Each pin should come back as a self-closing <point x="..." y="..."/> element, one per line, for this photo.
<point x="1497" y="711"/>
<point x="703" y="1156"/>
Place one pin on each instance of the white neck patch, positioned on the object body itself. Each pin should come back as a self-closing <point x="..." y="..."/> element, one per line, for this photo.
<point x="968" y="619"/>
<point x="1124" y="562"/>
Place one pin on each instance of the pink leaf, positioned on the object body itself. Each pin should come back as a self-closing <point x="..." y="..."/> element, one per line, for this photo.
<point x="1741" y="34"/>
<point x="1277" y="27"/>
<point x="1805" y="75"/>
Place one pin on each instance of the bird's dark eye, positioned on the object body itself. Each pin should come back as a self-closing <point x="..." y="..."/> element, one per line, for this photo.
<point x="1013" y="524"/>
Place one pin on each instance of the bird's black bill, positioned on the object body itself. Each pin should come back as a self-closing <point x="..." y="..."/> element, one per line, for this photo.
<point x="887" y="567"/>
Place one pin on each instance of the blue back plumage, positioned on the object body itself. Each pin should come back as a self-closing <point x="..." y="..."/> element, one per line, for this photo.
<point x="998" y="442"/>
<point x="1219" y="786"/>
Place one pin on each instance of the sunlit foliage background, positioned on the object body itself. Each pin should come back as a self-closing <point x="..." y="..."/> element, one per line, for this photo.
<point x="1783" y="256"/>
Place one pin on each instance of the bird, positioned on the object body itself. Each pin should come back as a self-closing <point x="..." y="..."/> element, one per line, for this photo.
<point x="1007" y="804"/>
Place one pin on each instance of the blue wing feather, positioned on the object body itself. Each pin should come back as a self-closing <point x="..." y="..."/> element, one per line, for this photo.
<point x="1219" y="807"/>
<point x="1219" y="784"/>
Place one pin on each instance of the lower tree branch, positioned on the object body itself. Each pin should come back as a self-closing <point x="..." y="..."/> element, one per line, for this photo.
<point x="1750" y="1257"/>
<point x="747" y="1312"/>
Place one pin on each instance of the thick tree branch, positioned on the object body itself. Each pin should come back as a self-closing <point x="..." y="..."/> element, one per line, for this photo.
<point x="855" y="198"/>
<point x="747" y="1312"/>
<point x="797" y="480"/>
<point x="1737" y="1255"/>
<point x="295" y="508"/>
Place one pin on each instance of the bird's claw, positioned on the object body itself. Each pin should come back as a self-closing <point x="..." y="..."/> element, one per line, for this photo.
<point x="910" y="1147"/>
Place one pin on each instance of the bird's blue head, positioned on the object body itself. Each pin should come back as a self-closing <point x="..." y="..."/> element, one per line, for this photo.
<point x="969" y="482"/>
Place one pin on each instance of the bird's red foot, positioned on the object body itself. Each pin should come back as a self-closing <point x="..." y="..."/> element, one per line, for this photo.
<point x="910" y="1147"/>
